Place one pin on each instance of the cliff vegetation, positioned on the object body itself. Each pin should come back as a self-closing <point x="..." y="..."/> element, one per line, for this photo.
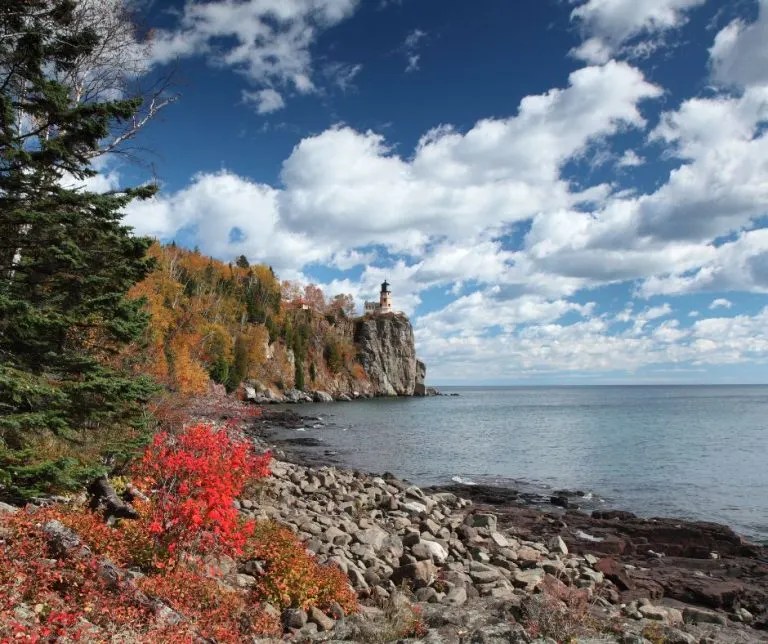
<point x="225" y="323"/>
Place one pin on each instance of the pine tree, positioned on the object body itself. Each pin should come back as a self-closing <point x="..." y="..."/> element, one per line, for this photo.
<point x="66" y="264"/>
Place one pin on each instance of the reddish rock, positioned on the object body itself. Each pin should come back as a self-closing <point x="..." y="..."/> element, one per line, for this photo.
<point x="616" y="573"/>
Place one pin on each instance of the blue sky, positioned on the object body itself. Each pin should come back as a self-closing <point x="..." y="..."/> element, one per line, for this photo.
<point x="559" y="191"/>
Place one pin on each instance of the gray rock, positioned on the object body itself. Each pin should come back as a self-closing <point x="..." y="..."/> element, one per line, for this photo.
<point x="426" y="595"/>
<point x="246" y="581"/>
<point x="7" y="509"/>
<point x="558" y="545"/>
<point x="324" y="623"/>
<point x="374" y="537"/>
<point x="487" y="521"/>
<point x="294" y="618"/>
<point x="692" y="615"/>
<point x="528" y="557"/>
<point x="528" y="579"/>
<point x="457" y="596"/>
<point x="421" y="573"/>
<point x="499" y="539"/>
<point x="430" y="550"/>
<point x="322" y="397"/>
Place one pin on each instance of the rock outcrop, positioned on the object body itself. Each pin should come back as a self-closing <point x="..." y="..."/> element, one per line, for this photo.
<point x="387" y="352"/>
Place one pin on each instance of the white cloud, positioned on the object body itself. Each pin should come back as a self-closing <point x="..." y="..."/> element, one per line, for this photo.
<point x="630" y="159"/>
<point x="351" y="184"/>
<point x="740" y="53"/>
<point x="343" y="74"/>
<point x="410" y="48"/>
<point x="266" y="100"/>
<point x="610" y="24"/>
<point x="720" y="303"/>
<point x="271" y="38"/>
<point x="738" y="265"/>
<point x="230" y="216"/>
<point x="592" y="344"/>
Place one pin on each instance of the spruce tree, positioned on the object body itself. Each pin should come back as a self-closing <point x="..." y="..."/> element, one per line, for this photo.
<point x="66" y="265"/>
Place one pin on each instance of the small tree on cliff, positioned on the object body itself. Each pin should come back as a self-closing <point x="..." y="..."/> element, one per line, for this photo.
<point x="66" y="261"/>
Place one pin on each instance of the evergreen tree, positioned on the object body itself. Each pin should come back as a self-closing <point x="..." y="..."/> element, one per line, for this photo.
<point x="299" y="375"/>
<point x="66" y="264"/>
<point x="239" y="368"/>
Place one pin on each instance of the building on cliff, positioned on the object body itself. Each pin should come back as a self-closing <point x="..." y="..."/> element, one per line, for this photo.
<point x="384" y="305"/>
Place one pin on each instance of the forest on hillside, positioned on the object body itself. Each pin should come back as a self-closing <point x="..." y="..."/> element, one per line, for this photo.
<point x="228" y="322"/>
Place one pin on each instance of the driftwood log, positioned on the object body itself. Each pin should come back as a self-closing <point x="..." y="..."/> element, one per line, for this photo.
<point x="102" y="494"/>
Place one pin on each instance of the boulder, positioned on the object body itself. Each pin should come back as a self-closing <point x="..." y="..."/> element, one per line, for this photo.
<point x="556" y="544"/>
<point x="322" y="397"/>
<point x="421" y="573"/>
<point x="294" y="618"/>
<point x="692" y="615"/>
<point x="374" y="537"/>
<point x="324" y="623"/>
<point x="528" y="579"/>
<point x="528" y="557"/>
<point x="487" y="521"/>
<point x="615" y="572"/>
<point x="457" y="596"/>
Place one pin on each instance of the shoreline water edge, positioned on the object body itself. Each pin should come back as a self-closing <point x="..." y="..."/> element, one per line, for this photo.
<point x="478" y="562"/>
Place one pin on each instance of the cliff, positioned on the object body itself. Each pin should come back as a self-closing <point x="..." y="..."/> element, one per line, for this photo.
<point x="387" y="353"/>
<point x="237" y="325"/>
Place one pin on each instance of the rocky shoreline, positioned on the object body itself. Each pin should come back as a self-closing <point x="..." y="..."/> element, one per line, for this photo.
<point x="482" y="568"/>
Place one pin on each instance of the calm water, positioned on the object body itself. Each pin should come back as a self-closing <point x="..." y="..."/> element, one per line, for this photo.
<point x="690" y="452"/>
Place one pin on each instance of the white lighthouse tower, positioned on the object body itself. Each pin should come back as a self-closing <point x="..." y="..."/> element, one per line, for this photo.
<point x="385" y="298"/>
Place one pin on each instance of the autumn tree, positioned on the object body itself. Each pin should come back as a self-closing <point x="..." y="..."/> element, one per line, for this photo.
<point x="66" y="260"/>
<point x="314" y="298"/>
<point x="342" y="305"/>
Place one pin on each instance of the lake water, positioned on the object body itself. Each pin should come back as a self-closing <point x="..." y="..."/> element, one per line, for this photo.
<point x="694" y="452"/>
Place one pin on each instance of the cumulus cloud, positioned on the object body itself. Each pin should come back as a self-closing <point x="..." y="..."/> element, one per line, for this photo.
<point x="592" y="344"/>
<point x="266" y="101"/>
<point x="740" y="53"/>
<point x="720" y="303"/>
<point x="630" y="159"/>
<point x="270" y="39"/>
<point x="229" y="216"/>
<point x="459" y="184"/>
<point x="611" y="24"/>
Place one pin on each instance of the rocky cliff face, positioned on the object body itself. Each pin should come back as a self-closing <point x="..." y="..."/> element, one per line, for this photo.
<point x="387" y="352"/>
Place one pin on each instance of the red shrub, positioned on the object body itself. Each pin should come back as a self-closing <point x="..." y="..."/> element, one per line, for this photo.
<point x="195" y="478"/>
<point x="213" y="612"/>
<point x="60" y="592"/>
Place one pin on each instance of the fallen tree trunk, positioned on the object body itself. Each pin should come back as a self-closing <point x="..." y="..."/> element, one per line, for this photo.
<point x="103" y="494"/>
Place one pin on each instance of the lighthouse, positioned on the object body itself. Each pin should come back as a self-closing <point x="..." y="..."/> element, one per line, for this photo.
<point x="384" y="305"/>
<point x="385" y="298"/>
